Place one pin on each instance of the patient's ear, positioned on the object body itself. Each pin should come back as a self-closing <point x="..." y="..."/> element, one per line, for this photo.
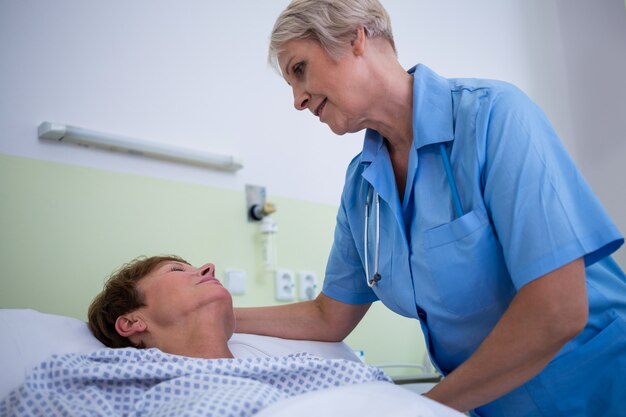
<point x="129" y="324"/>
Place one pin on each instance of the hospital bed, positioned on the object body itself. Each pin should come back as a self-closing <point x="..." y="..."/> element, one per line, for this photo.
<point x="29" y="337"/>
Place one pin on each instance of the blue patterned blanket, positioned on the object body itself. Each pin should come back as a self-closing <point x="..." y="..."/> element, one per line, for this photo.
<point x="131" y="382"/>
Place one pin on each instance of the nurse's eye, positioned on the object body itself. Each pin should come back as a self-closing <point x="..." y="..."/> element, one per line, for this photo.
<point x="298" y="69"/>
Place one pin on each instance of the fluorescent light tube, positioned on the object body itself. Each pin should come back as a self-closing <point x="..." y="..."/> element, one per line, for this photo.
<point x="65" y="133"/>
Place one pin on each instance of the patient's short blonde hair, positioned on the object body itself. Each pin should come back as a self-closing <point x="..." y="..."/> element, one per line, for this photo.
<point x="333" y="23"/>
<point x="120" y="296"/>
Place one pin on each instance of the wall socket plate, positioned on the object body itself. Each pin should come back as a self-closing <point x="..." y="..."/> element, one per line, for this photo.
<point x="307" y="285"/>
<point x="285" y="284"/>
<point x="235" y="280"/>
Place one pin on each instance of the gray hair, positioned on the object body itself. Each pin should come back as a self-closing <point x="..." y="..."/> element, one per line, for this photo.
<point x="333" y="23"/>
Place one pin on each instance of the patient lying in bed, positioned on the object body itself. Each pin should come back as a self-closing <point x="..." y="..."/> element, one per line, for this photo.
<point x="182" y="318"/>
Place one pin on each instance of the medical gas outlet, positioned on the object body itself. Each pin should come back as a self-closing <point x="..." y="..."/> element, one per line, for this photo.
<point x="259" y="210"/>
<point x="257" y="207"/>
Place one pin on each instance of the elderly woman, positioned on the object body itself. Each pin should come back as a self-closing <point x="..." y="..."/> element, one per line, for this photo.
<point x="182" y="315"/>
<point x="163" y="302"/>
<point x="462" y="210"/>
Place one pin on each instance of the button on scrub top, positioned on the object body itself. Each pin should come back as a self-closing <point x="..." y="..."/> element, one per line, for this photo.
<point x="527" y="211"/>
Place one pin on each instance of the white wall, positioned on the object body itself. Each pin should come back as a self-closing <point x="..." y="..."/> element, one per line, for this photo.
<point x="194" y="73"/>
<point x="594" y="45"/>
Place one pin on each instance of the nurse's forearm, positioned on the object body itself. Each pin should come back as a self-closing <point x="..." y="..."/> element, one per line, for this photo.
<point x="322" y="319"/>
<point x="542" y="317"/>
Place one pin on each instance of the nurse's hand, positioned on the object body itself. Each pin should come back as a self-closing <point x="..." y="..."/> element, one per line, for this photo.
<point x="544" y="315"/>
<point x="323" y="319"/>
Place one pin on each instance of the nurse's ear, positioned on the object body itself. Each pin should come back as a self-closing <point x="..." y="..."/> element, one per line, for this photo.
<point x="358" y="43"/>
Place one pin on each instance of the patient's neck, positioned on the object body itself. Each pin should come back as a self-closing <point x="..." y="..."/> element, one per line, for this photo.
<point x="197" y="348"/>
<point x="197" y="337"/>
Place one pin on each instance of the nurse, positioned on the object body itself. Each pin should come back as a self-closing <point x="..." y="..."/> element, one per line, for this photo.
<point x="463" y="210"/>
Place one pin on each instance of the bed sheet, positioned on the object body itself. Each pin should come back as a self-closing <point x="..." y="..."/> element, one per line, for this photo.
<point x="370" y="399"/>
<point x="152" y="383"/>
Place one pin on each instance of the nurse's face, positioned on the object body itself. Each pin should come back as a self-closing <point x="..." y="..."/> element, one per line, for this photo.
<point x="330" y="89"/>
<point x="176" y="292"/>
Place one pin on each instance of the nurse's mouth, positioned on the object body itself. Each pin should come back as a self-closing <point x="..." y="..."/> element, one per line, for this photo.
<point x="318" y="111"/>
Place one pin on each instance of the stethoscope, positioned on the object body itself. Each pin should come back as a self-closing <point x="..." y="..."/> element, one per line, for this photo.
<point x="456" y="202"/>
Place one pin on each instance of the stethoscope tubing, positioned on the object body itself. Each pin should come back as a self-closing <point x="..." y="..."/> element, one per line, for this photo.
<point x="456" y="202"/>
<point x="372" y="282"/>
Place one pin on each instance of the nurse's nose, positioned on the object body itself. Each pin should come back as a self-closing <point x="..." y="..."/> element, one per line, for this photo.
<point x="300" y="99"/>
<point x="207" y="269"/>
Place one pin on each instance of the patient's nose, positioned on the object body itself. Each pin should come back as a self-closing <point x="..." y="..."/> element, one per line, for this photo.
<point x="207" y="269"/>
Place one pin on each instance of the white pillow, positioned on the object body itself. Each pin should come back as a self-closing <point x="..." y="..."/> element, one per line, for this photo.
<point x="29" y="337"/>
<point x="254" y="346"/>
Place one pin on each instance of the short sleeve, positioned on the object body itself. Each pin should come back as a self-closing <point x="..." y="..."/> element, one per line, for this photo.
<point x="543" y="211"/>
<point x="345" y="276"/>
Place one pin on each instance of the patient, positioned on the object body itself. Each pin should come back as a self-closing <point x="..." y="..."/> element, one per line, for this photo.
<point x="165" y="303"/>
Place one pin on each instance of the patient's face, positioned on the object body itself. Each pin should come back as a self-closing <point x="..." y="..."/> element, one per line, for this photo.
<point x="176" y="291"/>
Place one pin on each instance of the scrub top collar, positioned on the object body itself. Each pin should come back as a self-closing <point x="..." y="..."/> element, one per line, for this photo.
<point x="432" y="113"/>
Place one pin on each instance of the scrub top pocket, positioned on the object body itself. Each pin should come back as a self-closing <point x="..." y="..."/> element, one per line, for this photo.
<point x="466" y="263"/>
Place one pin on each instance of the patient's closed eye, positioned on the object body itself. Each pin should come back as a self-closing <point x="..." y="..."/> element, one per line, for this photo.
<point x="177" y="267"/>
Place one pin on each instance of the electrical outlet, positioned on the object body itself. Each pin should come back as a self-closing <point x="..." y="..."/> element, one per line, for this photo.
<point x="285" y="285"/>
<point x="307" y="284"/>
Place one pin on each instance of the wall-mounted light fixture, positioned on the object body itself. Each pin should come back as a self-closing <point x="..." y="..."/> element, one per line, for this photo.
<point x="64" y="133"/>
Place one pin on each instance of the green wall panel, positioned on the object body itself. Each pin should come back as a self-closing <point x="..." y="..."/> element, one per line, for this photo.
<point x="65" y="228"/>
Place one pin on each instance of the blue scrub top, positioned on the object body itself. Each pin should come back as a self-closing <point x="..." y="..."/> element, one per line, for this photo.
<point x="527" y="211"/>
